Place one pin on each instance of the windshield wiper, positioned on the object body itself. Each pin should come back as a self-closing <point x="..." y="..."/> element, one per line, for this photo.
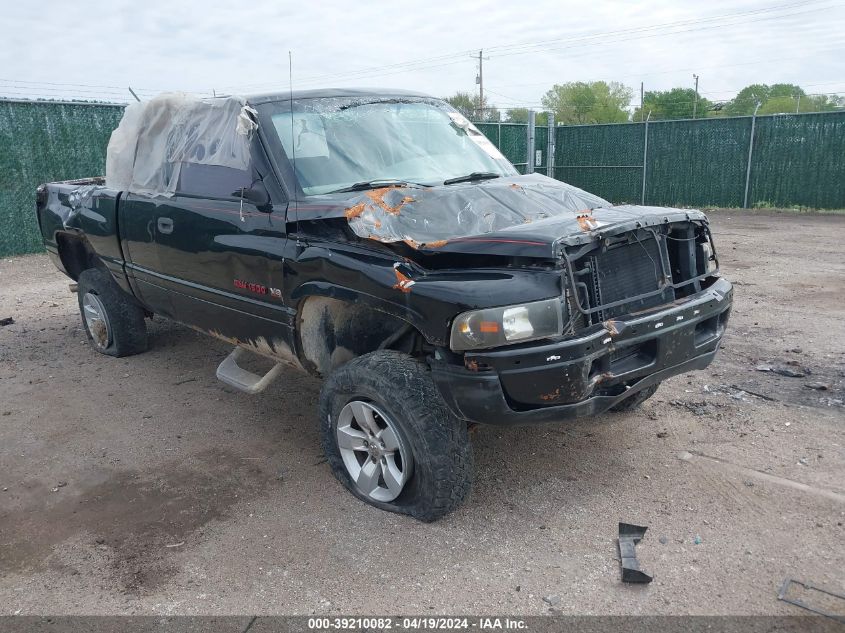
<point x="374" y="184"/>
<point x="476" y="175"/>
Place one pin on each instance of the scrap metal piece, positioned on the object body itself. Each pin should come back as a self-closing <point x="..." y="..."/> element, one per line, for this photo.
<point x="629" y="536"/>
<point x="784" y="589"/>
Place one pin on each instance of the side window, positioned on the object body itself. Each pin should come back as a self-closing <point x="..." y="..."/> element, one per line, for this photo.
<point x="211" y="181"/>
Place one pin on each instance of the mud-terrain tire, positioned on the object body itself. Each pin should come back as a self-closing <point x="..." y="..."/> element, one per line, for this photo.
<point x="399" y="394"/>
<point x="629" y="404"/>
<point x="113" y="320"/>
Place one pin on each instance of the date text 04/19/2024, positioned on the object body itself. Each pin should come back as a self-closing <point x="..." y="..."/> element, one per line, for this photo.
<point x="416" y="623"/>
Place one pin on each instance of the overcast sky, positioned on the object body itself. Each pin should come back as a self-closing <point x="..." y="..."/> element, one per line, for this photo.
<point x="95" y="48"/>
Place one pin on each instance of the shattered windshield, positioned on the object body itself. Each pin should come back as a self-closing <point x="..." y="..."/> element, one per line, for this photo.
<point x="342" y="142"/>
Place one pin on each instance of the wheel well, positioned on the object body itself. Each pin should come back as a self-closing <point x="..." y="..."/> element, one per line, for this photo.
<point x="331" y="332"/>
<point x="76" y="255"/>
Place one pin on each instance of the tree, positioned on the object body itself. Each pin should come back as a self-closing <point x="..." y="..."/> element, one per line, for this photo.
<point x="463" y="102"/>
<point x="520" y="115"/>
<point x="780" y="98"/>
<point x="579" y="102"/>
<point x="468" y="105"/>
<point x="517" y="115"/>
<point x="746" y="99"/>
<point x="677" y="103"/>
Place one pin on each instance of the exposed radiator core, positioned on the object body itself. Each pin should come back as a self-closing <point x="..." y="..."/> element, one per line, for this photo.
<point x="624" y="271"/>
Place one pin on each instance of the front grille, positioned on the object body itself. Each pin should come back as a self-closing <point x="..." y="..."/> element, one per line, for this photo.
<point x="610" y="279"/>
<point x="623" y="271"/>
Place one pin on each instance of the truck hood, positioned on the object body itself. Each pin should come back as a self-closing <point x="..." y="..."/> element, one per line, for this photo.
<point x="526" y="216"/>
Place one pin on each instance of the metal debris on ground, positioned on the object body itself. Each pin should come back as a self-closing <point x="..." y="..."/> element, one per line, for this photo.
<point x="828" y="598"/>
<point x="696" y="408"/>
<point x="629" y="536"/>
<point x="798" y="372"/>
<point x="552" y="600"/>
<point x="738" y="392"/>
<point x="818" y="386"/>
<point x="744" y="390"/>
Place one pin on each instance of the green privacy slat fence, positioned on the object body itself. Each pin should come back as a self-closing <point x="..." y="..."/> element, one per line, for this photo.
<point x="799" y="160"/>
<point x="604" y="159"/>
<point x="510" y="138"/>
<point x="512" y="141"/>
<point x="697" y="163"/>
<point x="796" y="159"/>
<point x="42" y="142"/>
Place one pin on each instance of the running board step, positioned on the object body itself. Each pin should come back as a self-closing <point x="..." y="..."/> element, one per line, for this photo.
<point x="235" y="376"/>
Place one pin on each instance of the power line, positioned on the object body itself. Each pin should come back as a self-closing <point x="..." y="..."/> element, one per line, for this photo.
<point x="424" y="64"/>
<point x="658" y="27"/>
<point x="610" y="42"/>
<point x="688" y="69"/>
<point x="503" y="50"/>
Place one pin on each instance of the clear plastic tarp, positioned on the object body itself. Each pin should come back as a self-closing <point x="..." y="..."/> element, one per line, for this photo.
<point x="156" y="137"/>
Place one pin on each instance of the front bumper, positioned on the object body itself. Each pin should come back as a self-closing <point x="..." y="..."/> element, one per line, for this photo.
<point x="587" y="374"/>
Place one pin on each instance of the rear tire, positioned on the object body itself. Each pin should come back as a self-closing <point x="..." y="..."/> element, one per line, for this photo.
<point x="113" y="320"/>
<point x="629" y="404"/>
<point x="426" y="462"/>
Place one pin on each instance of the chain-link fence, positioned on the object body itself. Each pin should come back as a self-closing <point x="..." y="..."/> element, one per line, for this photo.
<point x="794" y="159"/>
<point x="512" y="141"/>
<point x="43" y="142"/>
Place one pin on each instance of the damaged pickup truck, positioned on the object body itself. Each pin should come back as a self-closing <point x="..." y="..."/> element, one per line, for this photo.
<point x="378" y="240"/>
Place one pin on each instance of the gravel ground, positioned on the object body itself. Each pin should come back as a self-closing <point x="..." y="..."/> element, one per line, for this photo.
<point x="145" y="486"/>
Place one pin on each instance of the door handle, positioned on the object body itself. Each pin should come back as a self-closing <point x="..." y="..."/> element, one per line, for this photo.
<point x="165" y="225"/>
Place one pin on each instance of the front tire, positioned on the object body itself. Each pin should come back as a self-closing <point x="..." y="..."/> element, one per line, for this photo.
<point x="391" y="440"/>
<point x="113" y="320"/>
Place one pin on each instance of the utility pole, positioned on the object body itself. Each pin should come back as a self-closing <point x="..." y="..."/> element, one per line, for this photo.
<point x="480" y="81"/>
<point x="695" y="102"/>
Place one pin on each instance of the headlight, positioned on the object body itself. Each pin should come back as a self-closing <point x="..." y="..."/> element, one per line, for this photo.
<point x="705" y="254"/>
<point x="493" y="327"/>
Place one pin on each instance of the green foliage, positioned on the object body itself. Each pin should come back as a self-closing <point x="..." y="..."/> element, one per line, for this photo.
<point x="463" y="102"/>
<point x="786" y="90"/>
<point x="520" y="115"/>
<point x="468" y="105"/>
<point x="677" y="103"/>
<point x="595" y="102"/>
<point x="778" y="99"/>
<point x="745" y="100"/>
<point x="517" y="115"/>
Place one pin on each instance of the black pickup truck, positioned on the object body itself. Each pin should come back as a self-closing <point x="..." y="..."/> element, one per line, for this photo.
<point x="380" y="241"/>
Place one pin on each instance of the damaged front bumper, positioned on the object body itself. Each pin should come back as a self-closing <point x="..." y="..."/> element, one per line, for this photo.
<point x="589" y="373"/>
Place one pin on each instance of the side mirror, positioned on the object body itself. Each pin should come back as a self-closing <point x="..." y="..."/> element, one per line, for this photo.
<point x="256" y="194"/>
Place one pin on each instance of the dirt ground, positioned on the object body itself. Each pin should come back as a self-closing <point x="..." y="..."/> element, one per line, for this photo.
<point x="143" y="485"/>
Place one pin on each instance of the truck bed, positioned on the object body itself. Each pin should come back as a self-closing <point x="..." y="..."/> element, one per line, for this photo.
<point x="80" y="214"/>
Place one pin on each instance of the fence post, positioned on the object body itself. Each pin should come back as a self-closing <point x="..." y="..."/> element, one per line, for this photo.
<point x="529" y="164"/>
<point x="750" y="154"/>
<point x="550" y="146"/>
<point x="645" y="156"/>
